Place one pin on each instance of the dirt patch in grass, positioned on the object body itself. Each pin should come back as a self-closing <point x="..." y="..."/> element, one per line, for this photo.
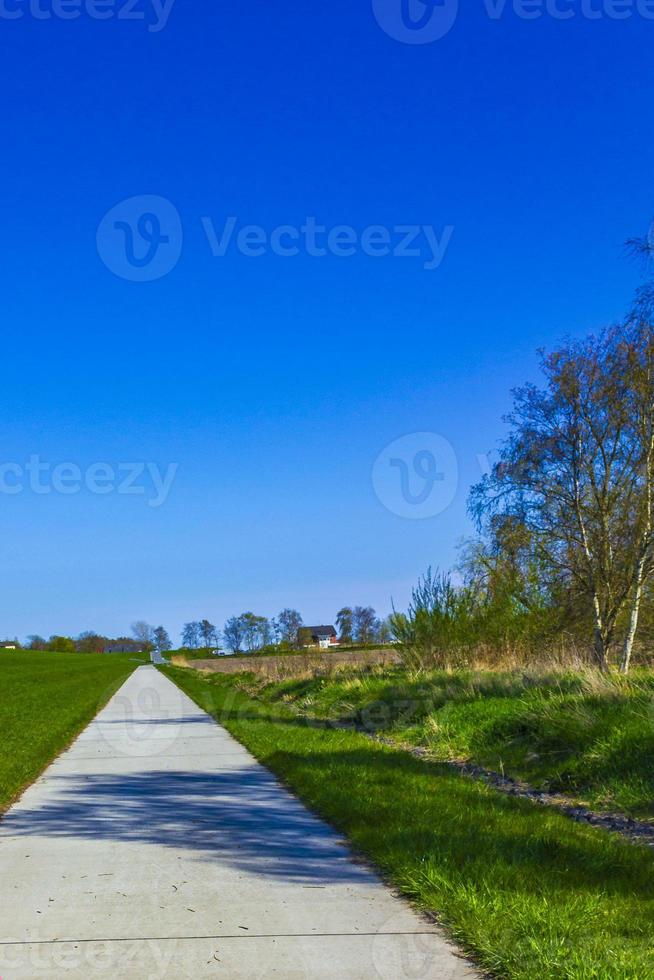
<point x="292" y="665"/>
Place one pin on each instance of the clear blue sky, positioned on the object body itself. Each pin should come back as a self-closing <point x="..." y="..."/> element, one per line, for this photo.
<point x="275" y="382"/>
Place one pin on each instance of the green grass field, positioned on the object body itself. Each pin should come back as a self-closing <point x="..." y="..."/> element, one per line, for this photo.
<point x="529" y="892"/>
<point x="45" y="700"/>
<point x="581" y="734"/>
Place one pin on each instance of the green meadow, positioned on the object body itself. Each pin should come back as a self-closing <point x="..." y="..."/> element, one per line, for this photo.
<point x="46" y="699"/>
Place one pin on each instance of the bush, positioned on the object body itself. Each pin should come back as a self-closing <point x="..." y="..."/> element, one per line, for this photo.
<point x="449" y="626"/>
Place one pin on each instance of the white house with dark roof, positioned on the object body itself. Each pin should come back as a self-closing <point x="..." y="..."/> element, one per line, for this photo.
<point x="317" y="636"/>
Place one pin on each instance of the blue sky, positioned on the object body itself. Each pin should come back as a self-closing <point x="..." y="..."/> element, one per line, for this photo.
<point x="273" y="383"/>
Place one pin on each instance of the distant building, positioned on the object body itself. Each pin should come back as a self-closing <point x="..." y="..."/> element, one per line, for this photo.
<point x="317" y="636"/>
<point x="123" y="646"/>
<point x="8" y="646"/>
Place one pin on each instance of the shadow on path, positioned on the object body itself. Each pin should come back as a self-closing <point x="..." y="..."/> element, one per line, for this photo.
<point x="243" y="817"/>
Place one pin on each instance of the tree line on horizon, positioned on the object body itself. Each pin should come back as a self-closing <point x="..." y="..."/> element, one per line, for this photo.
<point x="247" y="633"/>
<point x="143" y="639"/>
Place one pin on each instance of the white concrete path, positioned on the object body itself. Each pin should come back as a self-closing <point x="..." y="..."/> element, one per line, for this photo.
<point x="157" y="847"/>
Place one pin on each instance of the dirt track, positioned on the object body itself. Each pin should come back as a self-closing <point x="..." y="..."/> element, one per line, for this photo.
<point x="295" y="662"/>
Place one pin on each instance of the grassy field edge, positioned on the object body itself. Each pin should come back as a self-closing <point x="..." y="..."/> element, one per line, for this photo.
<point x="52" y="721"/>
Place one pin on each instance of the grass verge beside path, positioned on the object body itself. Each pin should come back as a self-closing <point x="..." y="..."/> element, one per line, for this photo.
<point x="582" y="734"/>
<point x="46" y="699"/>
<point x="528" y="891"/>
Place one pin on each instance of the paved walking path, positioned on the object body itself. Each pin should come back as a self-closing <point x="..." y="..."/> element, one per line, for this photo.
<point x="156" y="846"/>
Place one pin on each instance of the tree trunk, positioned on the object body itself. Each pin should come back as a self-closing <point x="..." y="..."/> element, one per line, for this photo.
<point x="601" y="650"/>
<point x="633" y="617"/>
<point x="601" y="644"/>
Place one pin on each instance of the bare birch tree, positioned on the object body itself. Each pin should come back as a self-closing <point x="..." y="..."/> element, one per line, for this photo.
<point x="637" y="352"/>
<point x="576" y="474"/>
